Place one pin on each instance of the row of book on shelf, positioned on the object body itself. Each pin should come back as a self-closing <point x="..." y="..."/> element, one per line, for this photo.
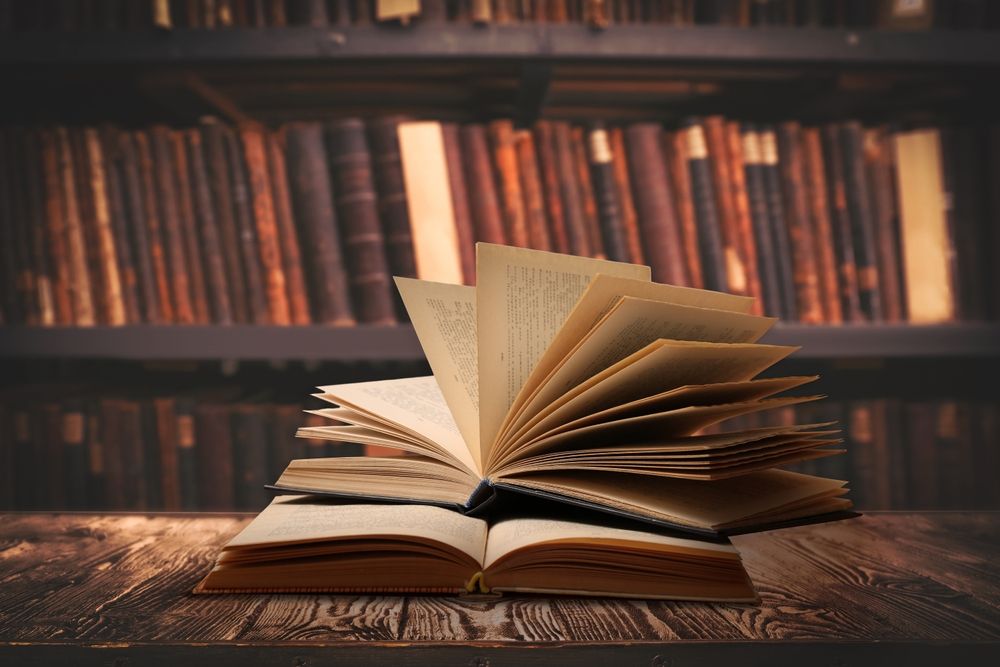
<point x="306" y="223"/>
<point x="102" y="15"/>
<point x="71" y="450"/>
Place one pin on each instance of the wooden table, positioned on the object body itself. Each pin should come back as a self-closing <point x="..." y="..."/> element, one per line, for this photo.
<point x="889" y="588"/>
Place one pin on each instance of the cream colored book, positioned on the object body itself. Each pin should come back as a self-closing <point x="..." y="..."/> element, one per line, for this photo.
<point x="300" y="545"/>
<point x="580" y="381"/>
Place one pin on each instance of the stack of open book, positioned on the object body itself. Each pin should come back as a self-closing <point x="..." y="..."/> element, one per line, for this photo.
<point x="559" y="383"/>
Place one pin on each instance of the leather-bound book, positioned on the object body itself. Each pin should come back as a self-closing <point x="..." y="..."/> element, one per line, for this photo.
<point x="121" y="224"/>
<point x="173" y="235"/>
<point x="27" y="270"/>
<point x="96" y="482"/>
<point x="246" y="227"/>
<point x="51" y="450"/>
<point x="268" y="244"/>
<point x="312" y="201"/>
<point x="167" y="441"/>
<point x="464" y="229"/>
<point x="86" y="206"/>
<point x="209" y="235"/>
<point x="587" y="197"/>
<point x="35" y="222"/>
<point x="84" y="312"/>
<point x="661" y="234"/>
<point x="154" y="234"/>
<point x="360" y="231"/>
<point x="741" y="209"/>
<point x="767" y="269"/>
<point x="571" y="192"/>
<point x="55" y="228"/>
<point x="710" y="239"/>
<point x="130" y="448"/>
<point x="675" y="151"/>
<point x="432" y="217"/>
<point x="306" y="12"/>
<point x="483" y="201"/>
<point x="965" y="168"/>
<point x="879" y="174"/>
<point x="214" y="453"/>
<point x="531" y="188"/>
<point x="73" y="421"/>
<point x="862" y="221"/>
<point x="843" y="242"/>
<point x="134" y="188"/>
<point x="249" y="429"/>
<point x="606" y="192"/>
<point x="548" y="164"/>
<point x="152" y="464"/>
<point x="189" y="229"/>
<point x="623" y="184"/>
<point x="9" y="262"/>
<point x="503" y="12"/>
<point x="392" y="203"/>
<point x="214" y="150"/>
<point x="511" y="200"/>
<point x="805" y="270"/>
<point x="291" y="254"/>
<point x="187" y="455"/>
<point x="822" y="231"/>
<point x="714" y="128"/>
<point x="777" y="221"/>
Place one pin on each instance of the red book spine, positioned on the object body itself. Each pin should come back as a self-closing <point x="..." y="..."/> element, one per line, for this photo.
<point x="630" y="219"/>
<point x="737" y="280"/>
<point x="392" y="202"/>
<point x="505" y="164"/>
<point x="569" y="189"/>
<point x="545" y="142"/>
<point x="483" y="201"/>
<point x="55" y="228"/>
<point x="460" y="202"/>
<point x="173" y="237"/>
<point x="822" y="233"/>
<point x="531" y="187"/>
<point x="744" y="222"/>
<point x="587" y="197"/>
<point x="291" y="254"/>
<point x="189" y="229"/>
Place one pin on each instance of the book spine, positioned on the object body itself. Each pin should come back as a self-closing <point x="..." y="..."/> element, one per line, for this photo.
<point x="608" y="207"/>
<point x="483" y="201"/>
<point x="505" y="163"/>
<point x="354" y="194"/>
<point x="133" y="184"/>
<point x="55" y="228"/>
<point x="777" y="222"/>
<point x="187" y="455"/>
<point x="88" y="219"/>
<point x="392" y="203"/>
<point x="189" y="229"/>
<point x="152" y="464"/>
<point x="862" y="224"/>
<point x="587" y="197"/>
<point x="675" y="149"/>
<point x="464" y="229"/>
<point x="220" y="188"/>
<point x="661" y="237"/>
<point x="822" y="231"/>
<point x="215" y="457"/>
<point x="121" y="225"/>
<point x="307" y="12"/>
<point x="153" y="235"/>
<point x="531" y="188"/>
<point x="268" y="244"/>
<point x="74" y="453"/>
<point x="35" y="220"/>
<point x="250" y="465"/>
<point x="572" y="196"/>
<point x="766" y="264"/>
<point x="843" y="244"/>
<point x="131" y="449"/>
<point x="878" y="171"/>
<point x="106" y="250"/>
<point x="968" y="164"/>
<point x="714" y="129"/>
<point x="805" y="273"/>
<point x="744" y="220"/>
<point x="291" y="254"/>
<point x="173" y="237"/>
<point x="167" y="441"/>
<point x="711" y="249"/>
<point x="25" y="269"/>
<point x="84" y="312"/>
<point x="23" y="436"/>
<point x="51" y="457"/>
<point x="309" y="179"/>
<point x="548" y="163"/>
<point x="623" y="184"/>
<point x="992" y="245"/>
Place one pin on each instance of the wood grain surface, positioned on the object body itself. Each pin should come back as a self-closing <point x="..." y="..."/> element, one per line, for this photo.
<point x="115" y="589"/>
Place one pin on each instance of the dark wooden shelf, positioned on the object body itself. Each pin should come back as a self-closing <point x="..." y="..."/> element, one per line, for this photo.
<point x="398" y="343"/>
<point x="796" y="47"/>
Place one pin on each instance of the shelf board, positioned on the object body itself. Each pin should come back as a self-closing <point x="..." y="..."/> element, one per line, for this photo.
<point x="795" y="47"/>
<point x="398" y="343"/>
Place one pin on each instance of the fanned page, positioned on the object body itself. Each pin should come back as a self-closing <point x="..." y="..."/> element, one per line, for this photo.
<point x="522" y="300"/>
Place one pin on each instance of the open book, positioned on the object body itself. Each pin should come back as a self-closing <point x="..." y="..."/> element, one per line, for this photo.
<point x="581" y="381"/>
<point x="300" y="545"/>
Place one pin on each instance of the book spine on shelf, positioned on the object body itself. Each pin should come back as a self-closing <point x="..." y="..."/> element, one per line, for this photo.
<point x="741" y="209"/>
<point x="777" y="222"/>
<point x="511" y="199"/>
<point x="879" y="173"/>
<point x="571" y="192"/>
<point x="249" y="431"/>
<point x="675" y="150"/>
<point x="711" y="247"/>
<point x="606" y="190"/>
<point x="464" y="228"/>
<point x="548" y="164"/>
<point x="214" y="453"/>
<point x="153" y="236"/>
<point x="843" y="242"/>
<point x="767" y="268"/>
<point x="35" y="223"/>
<point x="74" y="452"/>
<point x="714" y="129"/>
<point x="531" y="188"/>
<point x="862" y="222"/>
<point x="55" y="228"/>
<point x="483" y="201"/>
<point x="288" y="238"/>
<point x="186" y="441"/>
<point x="189" y="229"/>
<point x="121" y="225"/>
<point x="623" y="184"/>
<point x="80" y="289"/>
<point x="586" y="189"/>
<point x="822" y="231"/>
<point x="173" y="238"/>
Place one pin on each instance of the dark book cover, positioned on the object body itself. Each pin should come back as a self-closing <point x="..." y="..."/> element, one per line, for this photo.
<point x="675" y="150"/>
<point x="55" y="229"/>
<point x="187" y="455"/>
<point x="243" y="214"/>
<point x="741" y="208"/>
<point x="288" y="236"/>
<point x="285" y="447"/>
<point x="658" y="223"/>
<point x="504" y="152"/>
<point x="35" y="222"/>
<point x="153" y="235"/>
<point x="121" y="224"/>
<point x="268" y="244"/>
<point x="173" y="235"/>
<point x="711" y="247"/>
<point x="74" y="453"/>
<point x="464" y="227"/>
<point x="805" y="269"/>
<point x="166" y="439"/>
<point x="52" y="464"/>
<point x="84" y="309"/>
<point x="609" y="213"/>
<point x="189" y="229"/>
<point x="27" y="487"/>
<point x="312" y="201"/>
<point x="214" y="453"/>
<point x="7" y="464"/>
<point x="714" y="129"/>
<point x="548" y="164"/>
<point x="767" y="267"/>
<point x="922" y="459"/>
<point x="843" y="243"/>
<point x="531" y="189"/>
<point x="360" y="232"/>
<point x="109" y="443"/>
<point x="276" y="15"/>
<point x="11" y="305"/>
<point x="87" y="210"/>
<point x="587" y="197"/>
<point x="881" y="180"/>
<point x="777" y="222"/>
<point x="220" y="188"/>
<point x="106" y="250"/>
<point x="307" y="12"/>
<point x="153" y="462"/>
<point x="571" y="192"/>
<point x="250" y="455"/>
<point x="862" y="221"/>
<point x="965" y="158"/>
<point x="483" y="200"/>
<point x="822" y="230"/>
<point x="392" y="203"/>
<point x="623" y="184"/>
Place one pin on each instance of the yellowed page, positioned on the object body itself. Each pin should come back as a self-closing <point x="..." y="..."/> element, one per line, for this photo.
<point x="291" y="519"/>
<point x="522" y="299"/>
<point x="514" y="534"/>
<point x="413" y="403"/>
<point x="444" y="317"/>
<point x="428" y="198"/>
<point x="600" y="296"/>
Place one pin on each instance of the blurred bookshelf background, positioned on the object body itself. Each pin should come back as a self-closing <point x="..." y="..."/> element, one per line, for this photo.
<point x="202" y="204"/>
